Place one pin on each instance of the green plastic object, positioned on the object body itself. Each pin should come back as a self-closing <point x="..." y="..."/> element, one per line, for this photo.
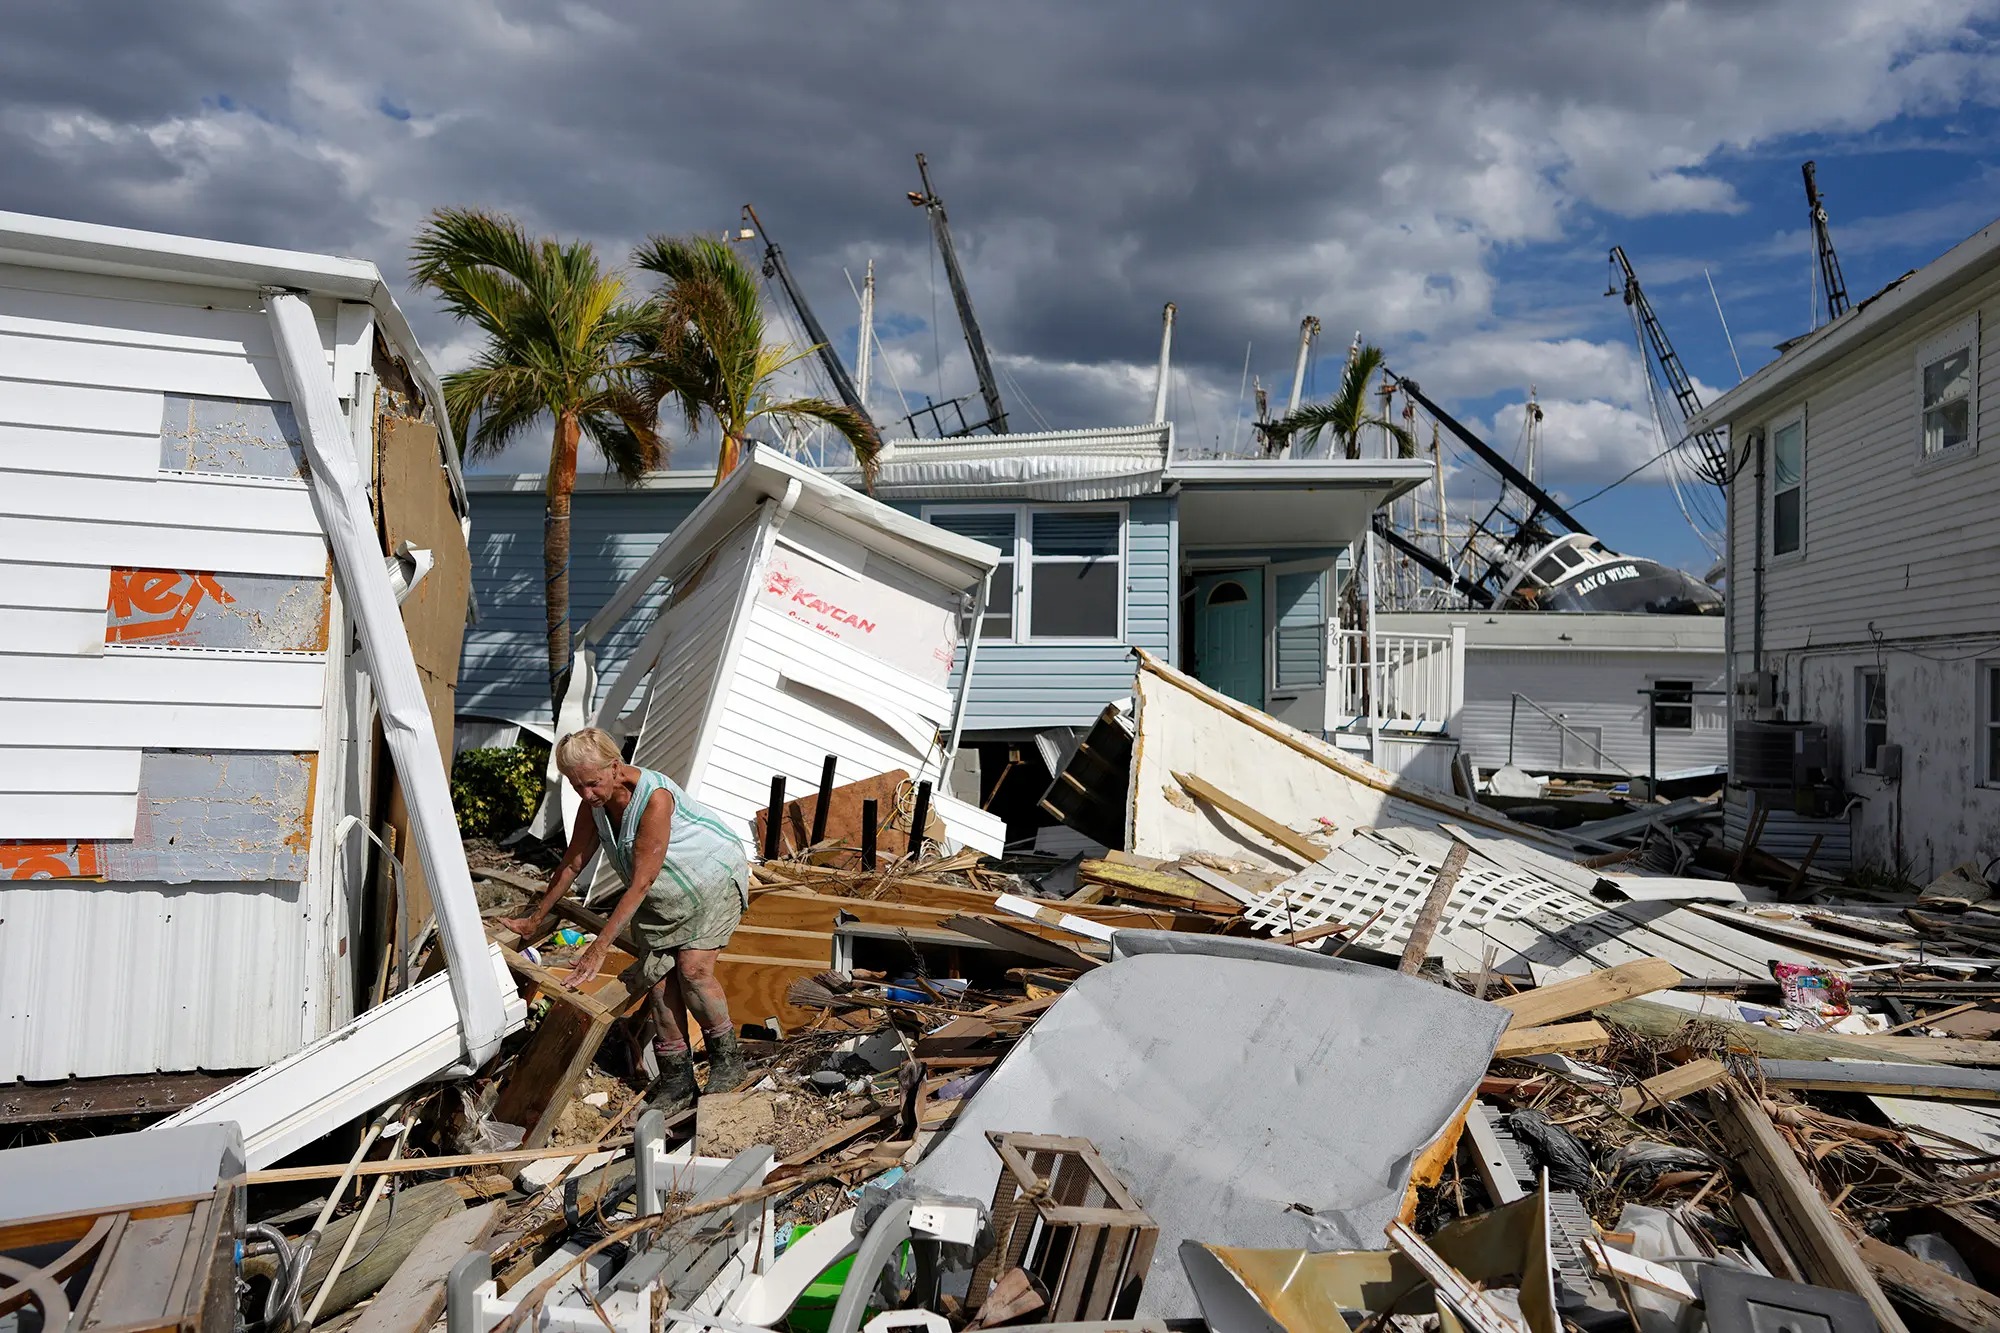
<point x="812" y="1312"/>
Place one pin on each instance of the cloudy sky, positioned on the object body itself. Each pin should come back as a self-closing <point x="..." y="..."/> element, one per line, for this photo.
<point x="1443" y="175"/>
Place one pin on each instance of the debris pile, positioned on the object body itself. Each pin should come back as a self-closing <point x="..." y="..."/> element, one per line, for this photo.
<point x="1313" y="1050"/>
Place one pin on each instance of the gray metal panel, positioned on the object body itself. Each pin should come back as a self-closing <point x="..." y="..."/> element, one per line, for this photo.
<point x="117" y="1170"/>
<point x="505" y="669"/>
<point x="1790" y="835"/>
<point x="1228" y="1081"/>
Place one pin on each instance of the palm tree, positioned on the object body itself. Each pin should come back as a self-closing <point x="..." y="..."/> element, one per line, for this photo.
<point x="1346" y="414"/>
<point x="555" y="326"/>
<point x="705" y="348"/>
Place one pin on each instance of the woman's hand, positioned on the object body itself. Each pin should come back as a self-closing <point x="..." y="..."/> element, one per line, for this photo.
<point x="588" y="964"/>
<point x="527" y="927"/>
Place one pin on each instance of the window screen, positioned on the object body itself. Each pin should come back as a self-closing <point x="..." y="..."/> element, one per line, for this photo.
<point x="1872" y="691"/>
<point x="997" y="528"/>
<point x="1075" y="580"/>
<point x="1301" y="616"/>
<point x="1948" y="401"/>
<point x="1788" y="471"/>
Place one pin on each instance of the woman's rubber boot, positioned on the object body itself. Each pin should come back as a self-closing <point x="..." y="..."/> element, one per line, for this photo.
<point x="674" y="1090"/>
<point x="725" y="1061"/>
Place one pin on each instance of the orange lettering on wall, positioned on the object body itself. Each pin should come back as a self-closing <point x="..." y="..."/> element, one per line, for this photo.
<point x="157" y="602"/>
<point x="50" y="860"/>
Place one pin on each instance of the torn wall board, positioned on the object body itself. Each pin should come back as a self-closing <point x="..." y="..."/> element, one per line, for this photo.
<point x="802" y="620"/>
<point x="1296" y="779"/>
<point x="1246" y="1093"/>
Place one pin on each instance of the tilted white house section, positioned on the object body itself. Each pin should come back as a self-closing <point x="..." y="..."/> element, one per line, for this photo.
<point x="802" y="620"/>
<point x="183" y="718"/>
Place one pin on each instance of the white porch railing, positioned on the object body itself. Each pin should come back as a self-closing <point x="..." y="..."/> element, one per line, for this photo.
<point x="1408" y="683"/>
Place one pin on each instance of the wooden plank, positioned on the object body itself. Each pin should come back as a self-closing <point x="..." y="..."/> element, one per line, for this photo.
<point x="1297" y="844"/>
<point x="1942" y="1050"/>
<point x="1684" y="1081"/>
<point x="1822" y="1247"/>
<point x="1181" y="889"/>
<point x="755" y="988"/>
<point x="1934" y="1297"/>
<point x="1566" y="999"/>
<point x="1944" y="1082"/>
<point x="800" y="909"/>
<point x="843" y="818"/>
<point x="1764" y="1238"/>
<point x="413" y="1298"/>
<point x="1518" y="1042"/>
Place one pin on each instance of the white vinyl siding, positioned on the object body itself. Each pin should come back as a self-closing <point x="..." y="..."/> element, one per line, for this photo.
<point x="120" y="976"/>
<point x="1947" y="394"/>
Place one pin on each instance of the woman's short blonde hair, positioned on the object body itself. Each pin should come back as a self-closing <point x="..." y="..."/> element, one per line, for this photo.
<point x="587" y="751"/>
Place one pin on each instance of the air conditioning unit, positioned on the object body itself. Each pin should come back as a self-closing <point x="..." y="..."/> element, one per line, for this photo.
<point x="1786" y="756"/>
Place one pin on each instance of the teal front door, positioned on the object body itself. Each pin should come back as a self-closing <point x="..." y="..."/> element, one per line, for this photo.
<point x="1229" y="633"/>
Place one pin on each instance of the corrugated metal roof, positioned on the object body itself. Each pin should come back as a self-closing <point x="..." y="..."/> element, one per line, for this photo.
<point x="1107" y="464"/>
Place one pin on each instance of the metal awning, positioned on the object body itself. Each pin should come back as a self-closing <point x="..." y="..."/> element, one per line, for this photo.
<point x="1275" y="502"/>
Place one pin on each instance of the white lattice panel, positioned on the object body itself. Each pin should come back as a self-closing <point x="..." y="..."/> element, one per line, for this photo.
<point x="1323" y="894"/>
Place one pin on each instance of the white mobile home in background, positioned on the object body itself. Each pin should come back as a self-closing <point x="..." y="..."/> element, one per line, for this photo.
<point x="198" y="636"/>
<point x="1562" y="692"/>
<point x="801" y="619"/>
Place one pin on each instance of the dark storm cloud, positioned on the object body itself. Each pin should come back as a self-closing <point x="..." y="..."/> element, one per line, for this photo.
<point x="1251" y="162"/>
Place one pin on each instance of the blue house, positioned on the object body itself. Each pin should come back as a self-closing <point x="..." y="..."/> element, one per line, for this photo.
<point x="1229" y="568"/>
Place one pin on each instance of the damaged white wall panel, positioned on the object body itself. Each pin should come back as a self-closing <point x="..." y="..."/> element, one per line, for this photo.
<point x="1186" y="727"/>
<point x="178" y="756"/>
<point x="804" y="620"/>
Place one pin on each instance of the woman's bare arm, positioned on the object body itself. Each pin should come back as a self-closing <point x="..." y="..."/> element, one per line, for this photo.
<point x="582" y="843"/>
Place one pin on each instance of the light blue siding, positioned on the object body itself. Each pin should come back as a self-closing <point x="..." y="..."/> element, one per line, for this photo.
<point x="505" y="670"/>
<point x="1019" y="687"/>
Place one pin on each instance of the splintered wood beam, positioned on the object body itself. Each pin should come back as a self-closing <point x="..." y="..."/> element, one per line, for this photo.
<point x="1296" y="843"/>
<point x="1822" y="1247"/>
<point x="1684" y="1081"/>
<point x="1516" y="1043"/>
<point x="1580" y="995"/>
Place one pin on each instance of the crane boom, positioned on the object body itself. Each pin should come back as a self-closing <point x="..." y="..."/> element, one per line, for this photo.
<point x="1714" y="462"/>
<point x="989" y="391"/>
<point x="1543" y="502"/>
<point x="775" y="266"/>
<point x="1831" y="278"/>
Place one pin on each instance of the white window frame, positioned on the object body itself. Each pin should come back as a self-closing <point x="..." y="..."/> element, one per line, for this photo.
<point x="1963" y="336"/>
<point x="1795" y="417"/>
<point x="1024" y="558"/>
<point x="1988" y="722"/>
<point x="1273" y="691"/>
<point x="1861" y="675"/>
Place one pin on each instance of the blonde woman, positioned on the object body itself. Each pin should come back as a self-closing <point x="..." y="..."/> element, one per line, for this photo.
<point x="686" y="885"/>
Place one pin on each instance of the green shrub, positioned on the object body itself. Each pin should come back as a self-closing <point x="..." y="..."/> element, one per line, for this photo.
<point x="496" y="791"/>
